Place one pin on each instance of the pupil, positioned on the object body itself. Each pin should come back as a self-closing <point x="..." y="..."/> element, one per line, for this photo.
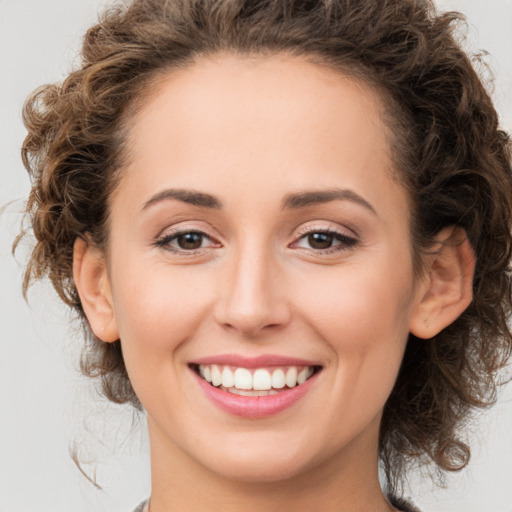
<point x="190" y="241"/>
<point x="320" y="240"/>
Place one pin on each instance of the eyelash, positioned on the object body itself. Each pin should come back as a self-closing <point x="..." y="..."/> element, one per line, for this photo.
<point x="345" y="242"/>
<point x="165" y="241"/>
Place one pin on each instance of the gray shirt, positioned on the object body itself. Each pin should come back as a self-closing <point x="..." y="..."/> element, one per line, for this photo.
<point x="401" y="504"/>
<point x="140" y="508"/>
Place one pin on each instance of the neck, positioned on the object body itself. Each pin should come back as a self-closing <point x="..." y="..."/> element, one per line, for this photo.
<point x="343" y="482"/>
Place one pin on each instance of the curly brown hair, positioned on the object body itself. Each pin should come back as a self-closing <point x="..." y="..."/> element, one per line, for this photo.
<point x="447" y="149"/>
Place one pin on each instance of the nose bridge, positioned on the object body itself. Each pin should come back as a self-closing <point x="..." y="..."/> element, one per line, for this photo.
<point x="252" y="299"/>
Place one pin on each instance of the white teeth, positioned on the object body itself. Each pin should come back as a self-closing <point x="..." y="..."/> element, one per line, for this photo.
<point x="250" y="383"/>
<point x="304" y="375"/>
<point x="252" y="392"/>
<point x="278" y="379"/>
<point x="243" y="378"/>
<point x="291" y="377"/>
<point x="228" y="379"/>
<point x="216" y="377"/>
<point x="242" y="392"/>
<point x="261" y="380"/>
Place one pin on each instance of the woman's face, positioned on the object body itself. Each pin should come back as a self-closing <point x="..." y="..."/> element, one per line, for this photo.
<point x="257" y="236"/>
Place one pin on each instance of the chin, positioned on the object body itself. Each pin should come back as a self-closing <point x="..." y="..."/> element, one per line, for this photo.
<point x="254" y="462"/>
<point x="260" y="470"/>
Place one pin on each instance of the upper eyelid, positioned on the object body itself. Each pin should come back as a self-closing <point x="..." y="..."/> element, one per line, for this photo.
<point x="172" y="235"/>
<point x="175" y="233"/>
<point x="330" y="228"/>
<point x="299" y="232"/>
<point x="342" y="237"/>
<point x="164" y="241"/>
<point x="183" y="227"/>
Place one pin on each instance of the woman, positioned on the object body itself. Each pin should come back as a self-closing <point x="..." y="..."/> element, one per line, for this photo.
<point x="286" y="227"/>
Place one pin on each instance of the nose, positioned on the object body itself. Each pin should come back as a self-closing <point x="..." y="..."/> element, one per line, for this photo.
<point x="253" y="295"/>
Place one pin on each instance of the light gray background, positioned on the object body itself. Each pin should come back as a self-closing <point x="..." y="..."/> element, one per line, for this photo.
<point x="45" y="406"/>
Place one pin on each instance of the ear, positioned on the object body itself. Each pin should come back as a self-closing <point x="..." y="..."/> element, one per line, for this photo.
<point x="93" y="286"/>
<point x="446" y="287"/>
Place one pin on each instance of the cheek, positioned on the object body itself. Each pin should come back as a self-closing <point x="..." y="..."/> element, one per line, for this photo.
<point x="362" y="314"/>
<point x="363" y="320"/>
<point x="354" y="307"/>
<point x="157" y="313"/>
<point x="159" y="309"/>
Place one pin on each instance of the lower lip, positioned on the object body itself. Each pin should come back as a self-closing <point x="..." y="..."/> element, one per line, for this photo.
<point x="255" y="406"/>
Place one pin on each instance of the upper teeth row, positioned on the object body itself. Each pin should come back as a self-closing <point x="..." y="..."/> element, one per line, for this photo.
<point x="262" y="379"/>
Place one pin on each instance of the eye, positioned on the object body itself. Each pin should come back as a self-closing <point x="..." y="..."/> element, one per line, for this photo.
<point x="190" y="240"/>
<point x="185" y="241"/>
<point x="320" y="240"/>
<point x="325" y="240"/>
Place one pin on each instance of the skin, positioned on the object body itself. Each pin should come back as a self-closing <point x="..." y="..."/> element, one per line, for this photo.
<point x="251" y="132"/>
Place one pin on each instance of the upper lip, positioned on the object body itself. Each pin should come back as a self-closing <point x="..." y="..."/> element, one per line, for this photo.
<point x="254" y="362"/>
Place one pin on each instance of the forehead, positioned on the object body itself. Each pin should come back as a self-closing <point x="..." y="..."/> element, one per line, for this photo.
<point x="234" y="96"/>
<point x="248" y="122"/>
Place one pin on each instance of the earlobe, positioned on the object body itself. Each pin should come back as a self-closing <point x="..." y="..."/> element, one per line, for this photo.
<point x="447" y="284"/>
<point x="92" y="283"/>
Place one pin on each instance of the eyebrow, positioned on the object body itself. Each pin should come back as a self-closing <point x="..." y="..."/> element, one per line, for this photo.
<point x="186" y="196"/>
<point x="291" y="201"/>
<point x="308" y="198"/>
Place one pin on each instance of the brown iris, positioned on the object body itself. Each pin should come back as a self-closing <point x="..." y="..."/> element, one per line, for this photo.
<point x="189" y="240"/>
<point x="320" y="240"/>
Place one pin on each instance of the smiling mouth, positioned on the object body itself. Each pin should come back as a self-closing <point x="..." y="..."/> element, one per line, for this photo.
<point x="254" y="381"/>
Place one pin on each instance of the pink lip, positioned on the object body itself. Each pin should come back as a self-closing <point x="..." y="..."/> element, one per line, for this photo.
<point x="254" y="362"/>
<point x="254" y="406"/>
